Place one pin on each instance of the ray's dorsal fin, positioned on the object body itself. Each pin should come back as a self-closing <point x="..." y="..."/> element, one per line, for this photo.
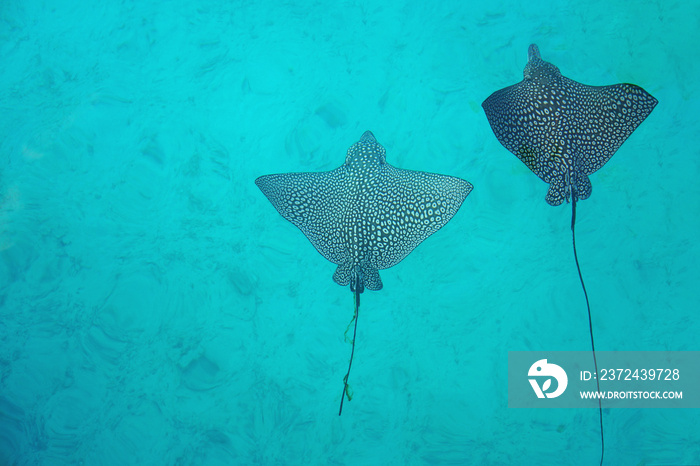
<point x="365" y="215"/>
<point x="565" y="131"/>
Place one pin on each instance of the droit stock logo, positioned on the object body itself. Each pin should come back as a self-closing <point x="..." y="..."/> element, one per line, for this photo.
<point x="545" y="371"/>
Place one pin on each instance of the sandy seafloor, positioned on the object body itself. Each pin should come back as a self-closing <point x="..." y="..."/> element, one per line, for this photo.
<point x="156" y="309"/>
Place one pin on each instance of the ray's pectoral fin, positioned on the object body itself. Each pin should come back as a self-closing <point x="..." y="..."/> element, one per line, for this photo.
<point x="344" y="275"/>
<point x="529" y="157"/>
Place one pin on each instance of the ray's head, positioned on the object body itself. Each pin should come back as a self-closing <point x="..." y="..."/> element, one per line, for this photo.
<point x="365" y="152"/>
<point x="538" y="69"/>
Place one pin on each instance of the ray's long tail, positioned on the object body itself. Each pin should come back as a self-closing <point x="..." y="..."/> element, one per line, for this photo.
<point x="356" y="293"/>
<point x="590" y="327"/>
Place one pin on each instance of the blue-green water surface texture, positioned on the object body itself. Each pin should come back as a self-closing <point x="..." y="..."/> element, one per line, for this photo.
<point x="155" y="309"/>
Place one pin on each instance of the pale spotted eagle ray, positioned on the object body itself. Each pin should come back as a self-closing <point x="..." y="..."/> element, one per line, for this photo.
<point x="365" y="215"/>
<point x="564" y="131"/>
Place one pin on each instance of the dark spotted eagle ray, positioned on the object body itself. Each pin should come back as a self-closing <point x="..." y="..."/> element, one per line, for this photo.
<point x="365" y="215"/>
<point x="564" y="131"/>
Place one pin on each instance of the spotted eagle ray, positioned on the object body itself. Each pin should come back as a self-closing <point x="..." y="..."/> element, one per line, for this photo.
<point x="365" y="215"/>
<point x="564" y="131"/>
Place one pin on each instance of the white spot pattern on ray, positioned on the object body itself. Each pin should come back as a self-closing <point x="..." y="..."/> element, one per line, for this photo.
<point x="564" y="130"/>
<point x="365" y="215"/>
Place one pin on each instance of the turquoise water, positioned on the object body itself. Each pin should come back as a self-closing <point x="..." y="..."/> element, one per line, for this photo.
<point x="156" y="309"/>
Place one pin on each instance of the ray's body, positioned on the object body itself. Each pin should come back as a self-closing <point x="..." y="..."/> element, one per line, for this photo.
<point x="564" y="131"/>
<point x="365" y="215"/>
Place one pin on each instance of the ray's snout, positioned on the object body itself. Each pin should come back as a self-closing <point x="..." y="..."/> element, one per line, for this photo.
<point x="533" y="52"/>
<point x="367" y="136"/>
